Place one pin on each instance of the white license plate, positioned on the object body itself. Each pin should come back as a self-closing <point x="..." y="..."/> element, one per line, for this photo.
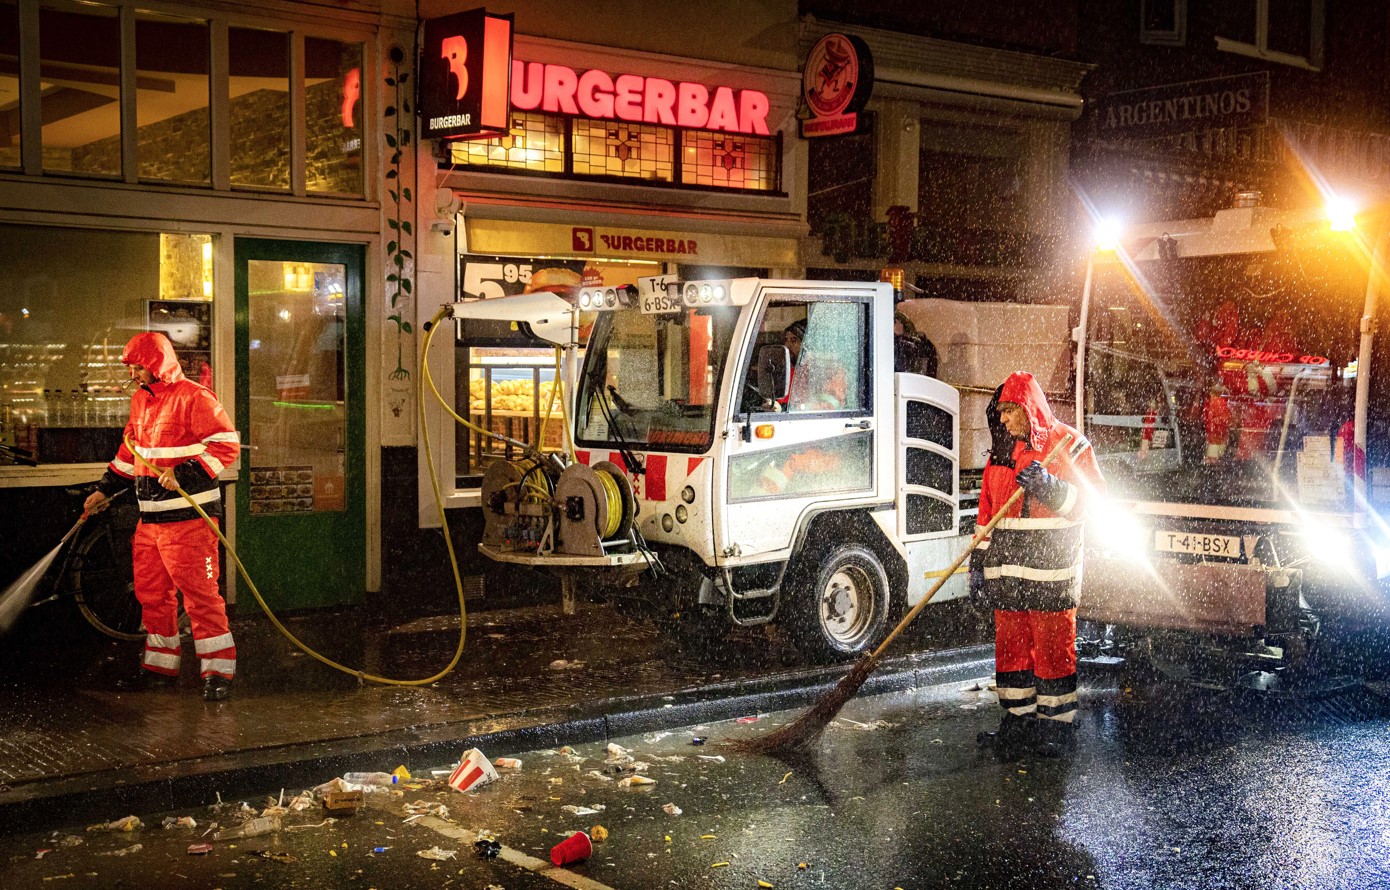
<point x="660" y="304"/>
<point x="1206" y="545"/>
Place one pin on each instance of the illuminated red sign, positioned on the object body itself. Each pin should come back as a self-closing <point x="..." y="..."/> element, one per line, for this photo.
<point x="352" y="92"/>
<point x="595" y="93"/>
<point x="836" y="82"/>
<point x="1269" y="357"/>
<point x="465" y="64"/>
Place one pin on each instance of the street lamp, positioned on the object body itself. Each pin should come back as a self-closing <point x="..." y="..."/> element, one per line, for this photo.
<point x="1341" y="214"/>
<point x="1105" y="239"/>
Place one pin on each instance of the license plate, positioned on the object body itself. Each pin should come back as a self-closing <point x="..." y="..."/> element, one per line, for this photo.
<point x="1188" y="542"/>
<point x="660" y="304"/>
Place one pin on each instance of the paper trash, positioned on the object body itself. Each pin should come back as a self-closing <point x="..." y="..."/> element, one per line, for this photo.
<point x="473" y="770"/>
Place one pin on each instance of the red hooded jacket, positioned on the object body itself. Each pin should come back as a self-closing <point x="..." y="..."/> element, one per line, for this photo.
<point x="1032" y="558"/>
<point x="174" y="422"/>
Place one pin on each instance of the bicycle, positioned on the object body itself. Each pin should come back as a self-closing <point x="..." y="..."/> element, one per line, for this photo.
<point x="97" y="569"/>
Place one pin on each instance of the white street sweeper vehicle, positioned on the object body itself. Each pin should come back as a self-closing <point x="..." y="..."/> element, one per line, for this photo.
<point x="1235" y="391"/>
<point x="744" y="453"/>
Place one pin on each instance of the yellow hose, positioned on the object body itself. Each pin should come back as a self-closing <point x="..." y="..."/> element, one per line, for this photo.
<point x="550" y="406"/>
<point x="613" y="496"/>
<point x="439" y="502"/>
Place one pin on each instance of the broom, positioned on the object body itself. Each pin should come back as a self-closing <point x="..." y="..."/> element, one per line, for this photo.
<point x="801" y="732"/>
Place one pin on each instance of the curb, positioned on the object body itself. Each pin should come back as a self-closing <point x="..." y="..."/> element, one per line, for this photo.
<point x="186" y="784"/>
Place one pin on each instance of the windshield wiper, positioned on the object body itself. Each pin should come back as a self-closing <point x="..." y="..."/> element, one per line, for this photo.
<point x="622" y="403"/>
<point x="601" y="395"/>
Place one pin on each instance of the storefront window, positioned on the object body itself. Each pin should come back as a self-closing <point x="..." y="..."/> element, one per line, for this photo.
<point x="505" y="378"/>
<point x="260" y="107"/>
<point x="80" y="61"/>
<point x="659" y="155"/>
<point x="980" y="167"/>
<point x="740" y="162"/>
<point x="171" y="99"/>
<point x="534" y="142"/>
<point x="333" y="115"/>
<point x="69" y="301"/>
<point x="607" y="148"/>
<point x="9" y="84"/>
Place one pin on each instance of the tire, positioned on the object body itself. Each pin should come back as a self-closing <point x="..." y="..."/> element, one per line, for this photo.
<point x="101" y="577"/>
<point x="840" y="608"/>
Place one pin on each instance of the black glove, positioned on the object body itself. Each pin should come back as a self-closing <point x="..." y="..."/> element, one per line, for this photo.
<point x="977" y="576"/>
<point x="1042" y="486"/>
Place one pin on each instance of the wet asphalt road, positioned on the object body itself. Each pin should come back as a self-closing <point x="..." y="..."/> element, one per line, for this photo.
<point x="1172" y="786"/>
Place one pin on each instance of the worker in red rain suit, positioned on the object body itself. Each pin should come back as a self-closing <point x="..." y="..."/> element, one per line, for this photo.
<point x="178" y="426"/>
<point x="1029" y="568"/>
<point x="1216" y="416"/>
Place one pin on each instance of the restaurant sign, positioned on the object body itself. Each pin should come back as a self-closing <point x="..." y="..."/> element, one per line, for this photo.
<point x="465" y="62"/>
<point x="1220" y="102"/>
<point x="835" y="83"/>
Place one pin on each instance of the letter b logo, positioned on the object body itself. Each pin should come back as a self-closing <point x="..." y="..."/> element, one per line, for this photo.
<point x="454" y="50"/>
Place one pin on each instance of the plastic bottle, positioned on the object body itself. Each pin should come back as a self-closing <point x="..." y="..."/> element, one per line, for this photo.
<point x="254" y="828"/>
<point x="370" y="778"/>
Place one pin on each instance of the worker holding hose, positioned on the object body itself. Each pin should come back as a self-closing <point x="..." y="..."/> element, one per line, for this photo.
<point x="178" y="427"/>
<point x="1029" y="569"/>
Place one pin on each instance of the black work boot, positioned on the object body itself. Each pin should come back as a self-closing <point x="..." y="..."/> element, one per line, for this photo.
<point x="1011" y="741"/>
<point x="1054" y="738"/>
<point x="216" y="688"/>
<point x="142" y="679"/>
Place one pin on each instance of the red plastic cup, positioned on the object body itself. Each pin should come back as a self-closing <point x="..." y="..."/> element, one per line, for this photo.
<point x="572" y="849"/>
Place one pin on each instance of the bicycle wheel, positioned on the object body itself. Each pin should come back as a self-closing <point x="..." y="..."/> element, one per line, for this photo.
<point x="102" y="579"/>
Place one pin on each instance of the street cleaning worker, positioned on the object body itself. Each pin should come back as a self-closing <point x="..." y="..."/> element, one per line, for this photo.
<point x="1029" y="569"/>
<point x="818" y="380"/>
<point x="178" y="426"/>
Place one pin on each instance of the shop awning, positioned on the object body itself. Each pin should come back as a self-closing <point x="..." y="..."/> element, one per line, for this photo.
<point x="651" y="243"/>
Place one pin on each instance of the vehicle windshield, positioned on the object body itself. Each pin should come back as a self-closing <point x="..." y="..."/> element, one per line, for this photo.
<point x="1226" y="380"/>
<point x="651" y="381"/>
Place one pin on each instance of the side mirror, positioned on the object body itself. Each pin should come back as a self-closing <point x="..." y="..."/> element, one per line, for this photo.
<point x="774" y="372"/>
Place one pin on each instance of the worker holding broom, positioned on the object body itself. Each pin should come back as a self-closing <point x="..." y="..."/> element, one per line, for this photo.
<point x="182" y="439"/>
<point x="1028" y="570"/>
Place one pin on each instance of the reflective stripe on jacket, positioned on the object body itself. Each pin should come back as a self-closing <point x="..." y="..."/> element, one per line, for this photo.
<point x="174" y="422"/>
<point x="1032" y="558"/>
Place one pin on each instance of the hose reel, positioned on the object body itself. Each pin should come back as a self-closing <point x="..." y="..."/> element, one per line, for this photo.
<point x="593" y="505"/>
<point x="581" y="507"/>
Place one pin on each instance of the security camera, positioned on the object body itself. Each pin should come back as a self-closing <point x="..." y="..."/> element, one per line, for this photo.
<point x="444" y="227"/>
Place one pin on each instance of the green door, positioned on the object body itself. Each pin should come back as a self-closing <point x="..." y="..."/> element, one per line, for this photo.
<point x="300" y="382"/>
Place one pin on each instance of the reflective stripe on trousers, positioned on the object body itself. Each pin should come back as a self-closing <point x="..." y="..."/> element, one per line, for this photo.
<point x="1035" y="663"/>
<point x="181" y="557"/>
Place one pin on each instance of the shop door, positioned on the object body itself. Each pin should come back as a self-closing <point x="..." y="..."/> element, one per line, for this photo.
<point x="300" y="497"/>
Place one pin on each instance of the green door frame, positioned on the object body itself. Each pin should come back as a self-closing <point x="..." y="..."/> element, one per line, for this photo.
<point x="315" y="559"/>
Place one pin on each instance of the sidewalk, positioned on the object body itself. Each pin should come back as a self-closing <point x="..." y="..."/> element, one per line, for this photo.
<point x="530" y="676"/>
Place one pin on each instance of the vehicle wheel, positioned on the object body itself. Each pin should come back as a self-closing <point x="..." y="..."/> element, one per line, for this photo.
<point x="840" y="609"/>
<point x="102" y="579"/>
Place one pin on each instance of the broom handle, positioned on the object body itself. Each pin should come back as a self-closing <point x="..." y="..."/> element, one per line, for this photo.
<point x="979" y="536"/>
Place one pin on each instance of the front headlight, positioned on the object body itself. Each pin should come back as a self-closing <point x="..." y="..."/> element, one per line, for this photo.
<point x="1113" y="529"/>
<point x="1327" y="544"/>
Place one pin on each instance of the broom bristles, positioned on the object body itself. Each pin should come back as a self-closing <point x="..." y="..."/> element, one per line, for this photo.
<point x="804" y="730"/>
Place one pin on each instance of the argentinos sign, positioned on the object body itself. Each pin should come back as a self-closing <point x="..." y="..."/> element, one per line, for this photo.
<point x="836" y="82"/>
<point x="1218" y="103"/>
<point x="465" y="62"/>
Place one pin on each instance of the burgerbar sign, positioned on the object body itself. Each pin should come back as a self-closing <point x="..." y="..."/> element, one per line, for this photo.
<point x="560" y="89"/>
<point x="465" y="60"/>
